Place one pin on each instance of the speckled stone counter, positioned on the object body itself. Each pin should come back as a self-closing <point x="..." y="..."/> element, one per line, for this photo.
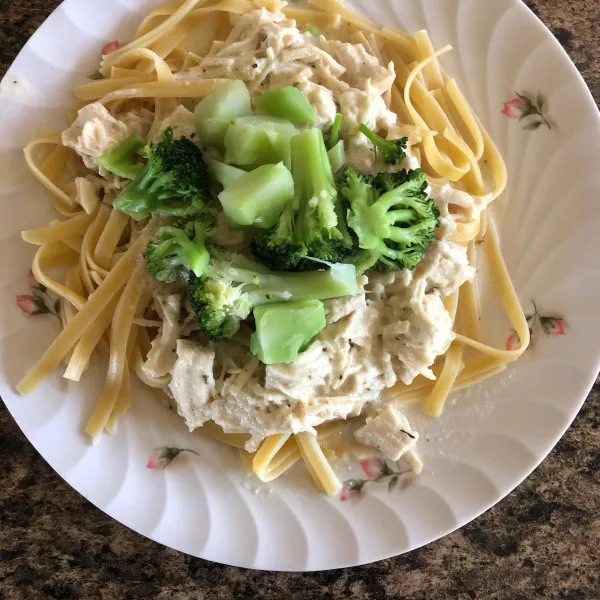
<point x="543" y="541"/>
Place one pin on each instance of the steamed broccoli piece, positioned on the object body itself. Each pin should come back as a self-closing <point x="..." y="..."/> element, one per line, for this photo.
<point x="390" y="152"/>
<point x="174" y="181"/>
<point x="233" y="285"/>
<point x="180" y="245"/>
<point x="319" y="226"/>
<point x="333" y="137"/>
<point x="313" y="224"/>
<point x="278" y="248"/>
<point x="391" y="216"/>
<point x="119" y="159"/>
<point x="288" y="103"/>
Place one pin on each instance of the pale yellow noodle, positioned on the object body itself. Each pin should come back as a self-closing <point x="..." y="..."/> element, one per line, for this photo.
<point x="347" y="14"/>
<point x="153" y="382"/>
<point x="247" y="458"/>
<point x="67" y="338"/>
<point x="284" y="460"/>
<point x="109" y="238"/>
<point x="123" y="402"/>
<point x="58" y="230"/>
<point x="268" y="449"/>
<point x="431" y="72"/>
<point x="151" y="36"/>
<point x="63" y="203"/>
<point x="160" y="89"/>
<point x="460" y="104"/>
<point x="319" y="466"/>
<point x="434" y="402"/>
<point x="90" y="239"/>
<point x="98" y="89"/>
<point x="80" y="358"/>
<point x="119" y="335"/>
<point x="53" y="255"/>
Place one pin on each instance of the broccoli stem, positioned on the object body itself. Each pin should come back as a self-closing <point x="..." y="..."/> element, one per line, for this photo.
<point x="257" y="198"/>
<point x="408" y="235"/>
<point x="337" y="156"/>
<point x="284" y="329"/>
<point x="262" y="288"/>
<point x="313" y="30"/>
<point x="225" y="174"/>
<point x="314" y="184"/>
<point x="288" y="103"/>
<point x="402" y="215"/>
<point x="215" y="112"/>
<point x="390" y="152"/>
<point x="334" y="133"/>
<point x="258" y="140"/>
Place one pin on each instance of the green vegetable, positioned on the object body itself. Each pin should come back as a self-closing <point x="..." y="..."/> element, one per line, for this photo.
<point x="337" y="156"/>
<point x="174" y="181"/>
<point x="284" y="329"/>
<point x="233" y="285"/>
<point x="288" y="103"/>
<point x="120" y="159"/>
<point x="320" y="226"/>
<point x="257" y="198"/>
<point x="334" y="132"/>
<point x="390" y="152"/>
<point x="313" y="225"/>
<point x="224" y="174"/>
<point x="180" y="245"/>
<point x="215" y="112"/>
<point x="258" y="140"/>
<point x="391" y="216"/>
<point x="278" y="248"/>
<point x="313" y="30"/>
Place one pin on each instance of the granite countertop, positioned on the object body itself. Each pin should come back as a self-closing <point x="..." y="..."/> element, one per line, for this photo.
<point x="542" y="541"/>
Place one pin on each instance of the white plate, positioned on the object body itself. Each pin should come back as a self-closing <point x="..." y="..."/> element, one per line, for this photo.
<point x="486" y="442"/>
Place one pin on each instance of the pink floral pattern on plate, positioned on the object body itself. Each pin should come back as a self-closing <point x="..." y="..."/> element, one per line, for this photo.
<point x="39" y="301"/>
<point x="550" y="325"/>
<point x="527" y="109"/>
<point x="376" y="469"/>
<point x="162" y="457"/>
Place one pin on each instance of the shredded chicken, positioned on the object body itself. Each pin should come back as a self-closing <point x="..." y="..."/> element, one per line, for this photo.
<point x="161" y="357"/>
<point x="388" y="430"/>
<point x="267" y="51"/>
<point x="94" y="131"/>
<point x="181" y="120"/>
<point x="87" y="194"/>
<point x="393" y="330"/>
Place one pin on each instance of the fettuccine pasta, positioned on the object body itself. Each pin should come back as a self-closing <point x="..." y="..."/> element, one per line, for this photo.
<point x="106" y="295"/>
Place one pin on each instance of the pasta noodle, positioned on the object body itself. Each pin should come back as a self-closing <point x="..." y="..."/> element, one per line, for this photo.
<point x="105" y="298"/>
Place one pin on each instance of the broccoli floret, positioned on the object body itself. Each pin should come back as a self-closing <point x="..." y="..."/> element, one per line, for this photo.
<point x="313" y="224"/>
<point x="180" y="245"/>
<point x="277" y="248"/>
<point x="233" y="285"/>
<point x="391" y="216"/>
<point x="119" y="159"/>
<point x="173" y="182"/>
<point x="390" y="152"/>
